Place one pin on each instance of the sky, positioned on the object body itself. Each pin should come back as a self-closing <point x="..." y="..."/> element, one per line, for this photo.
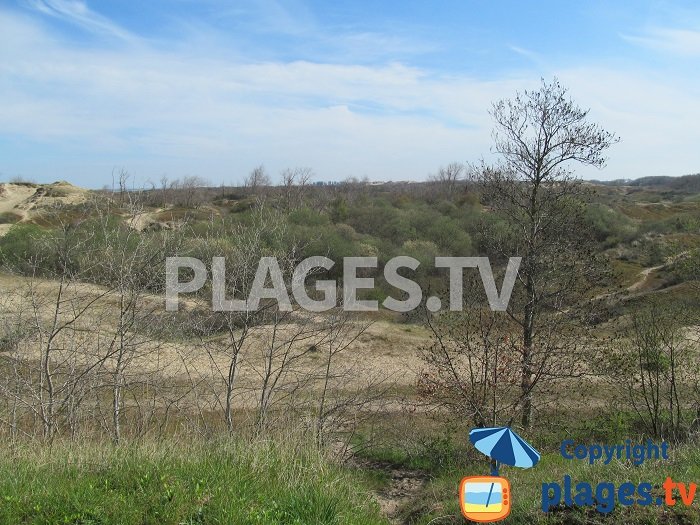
<point x="390" y="90"/>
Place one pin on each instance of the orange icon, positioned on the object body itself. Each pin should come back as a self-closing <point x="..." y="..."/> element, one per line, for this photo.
<point x="484" y="499"/>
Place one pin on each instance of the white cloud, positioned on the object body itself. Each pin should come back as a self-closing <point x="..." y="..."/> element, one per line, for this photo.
<point x="189" y="110"/>
<point x="685" y="42"/>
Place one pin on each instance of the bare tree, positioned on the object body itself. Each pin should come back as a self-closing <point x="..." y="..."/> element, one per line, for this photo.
<point x="227" y="335"/>
<point x="257" y="179"/>
<point x="122" y="179"/>
<point x="129" y="266"/>
<point x="449" y="177"/>
<point x="190" y="187"/>
<point x="539" y="135"/>
<point x="294" y="182"/>
<point x="652" y="361"/>
<point x="56" y="383"/>
<point x="287" y="339"/>
<point x="344" y="387"/>
<point x="164" y="186"/>
<point x="82" y="318"/>
<point x="472" y="366"/>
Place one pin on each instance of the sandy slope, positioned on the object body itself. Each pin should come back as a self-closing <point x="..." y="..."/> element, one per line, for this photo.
<point x="14" y="199"/>
<point x="26" y="200"/>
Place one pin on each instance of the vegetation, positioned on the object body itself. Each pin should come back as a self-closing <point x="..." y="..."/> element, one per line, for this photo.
<point x="173" y="483"/>
<point x="114" y="410"/>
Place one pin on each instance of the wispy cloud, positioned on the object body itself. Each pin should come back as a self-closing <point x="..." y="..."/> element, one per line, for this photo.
<point x="77" y="12"/>
<point x="684" y="42"/>
<point x="530" y="55"/>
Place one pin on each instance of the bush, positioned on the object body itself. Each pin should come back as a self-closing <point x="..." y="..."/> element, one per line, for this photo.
<point x="339" y="210"/>
<point x="450" y="237"/>
<point x="687" y="268"/>
<point x="307" y="217"/>
<point x="424" y="251"/>
<point x="9" y="217"/>
<point x="328" y="240"/>
<point x="20" y="245"/>
<point x="609" y="226"/>
<point x="382" y="220"/>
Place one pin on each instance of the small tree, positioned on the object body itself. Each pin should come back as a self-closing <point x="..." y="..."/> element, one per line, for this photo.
<point x="122" y="177"/>
<point x="652" y="361"/>
<point x="191" y="185"/>
<point x="539" y="207"/>
<point x="294" y="183"/>
<point x="164" y="186"/>
<point x="449" y="177"/>
<point x="472" y="366"/>
<point x="256" y="179"/>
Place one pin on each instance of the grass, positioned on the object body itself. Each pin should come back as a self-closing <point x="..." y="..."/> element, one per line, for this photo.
<point x="626" y="272"/>
<point x="179" y="214"/>
<point x="223" y="482"/>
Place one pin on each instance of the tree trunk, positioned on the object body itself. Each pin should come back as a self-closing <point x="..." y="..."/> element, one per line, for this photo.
<point x="526" y="370"/>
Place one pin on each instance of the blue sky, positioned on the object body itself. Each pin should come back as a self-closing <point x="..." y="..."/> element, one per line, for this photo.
<point x="389" y="90"/>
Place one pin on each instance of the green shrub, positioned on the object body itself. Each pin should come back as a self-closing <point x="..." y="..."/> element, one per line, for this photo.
<point x="450" y="237"/>
<point x="9" y="217"/>
<point x="307" y="217"/>
<point x="424" y="251"/>
<point x="687" y="268"/>
<point x="382" y="220"/>
<point x="339" y="210"/>
<point x="21" y="243"/>
<point x="610" y="227"/>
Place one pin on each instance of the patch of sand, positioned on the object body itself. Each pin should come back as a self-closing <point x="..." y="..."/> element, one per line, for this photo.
<point x="25" y="200"/>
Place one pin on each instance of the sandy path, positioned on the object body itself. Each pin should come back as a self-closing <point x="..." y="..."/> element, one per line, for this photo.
<point x="644" y="274"/>
<point x="644" y="277"/>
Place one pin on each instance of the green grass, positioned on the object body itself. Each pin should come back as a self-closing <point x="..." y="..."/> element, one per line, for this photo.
<point x="626" y="272"/>
<point x="223" y="482"/>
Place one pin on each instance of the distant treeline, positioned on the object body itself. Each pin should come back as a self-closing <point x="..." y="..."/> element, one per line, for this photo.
<point x="689" y="183"/>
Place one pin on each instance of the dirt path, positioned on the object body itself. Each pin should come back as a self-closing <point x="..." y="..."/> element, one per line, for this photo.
<point x="404" y="485"/>
<point x="646" y="272"/>
<point x="644" y="277"/>
<point x="142" y="220"/>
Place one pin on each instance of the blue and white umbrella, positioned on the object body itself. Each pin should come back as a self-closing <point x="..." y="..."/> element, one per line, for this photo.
<point x="503" y="445"/>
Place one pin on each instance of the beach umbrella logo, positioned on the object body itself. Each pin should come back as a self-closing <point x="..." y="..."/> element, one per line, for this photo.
<point x="485" y="499"/>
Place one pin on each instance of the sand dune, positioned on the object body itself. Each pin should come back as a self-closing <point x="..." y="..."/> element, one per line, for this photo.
<point x="25" y="200"/>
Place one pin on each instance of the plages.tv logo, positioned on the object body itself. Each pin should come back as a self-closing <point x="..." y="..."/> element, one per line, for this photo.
<point x="485" y="499"/>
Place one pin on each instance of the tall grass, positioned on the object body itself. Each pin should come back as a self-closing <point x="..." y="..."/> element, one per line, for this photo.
<point x="220" y="482"/>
